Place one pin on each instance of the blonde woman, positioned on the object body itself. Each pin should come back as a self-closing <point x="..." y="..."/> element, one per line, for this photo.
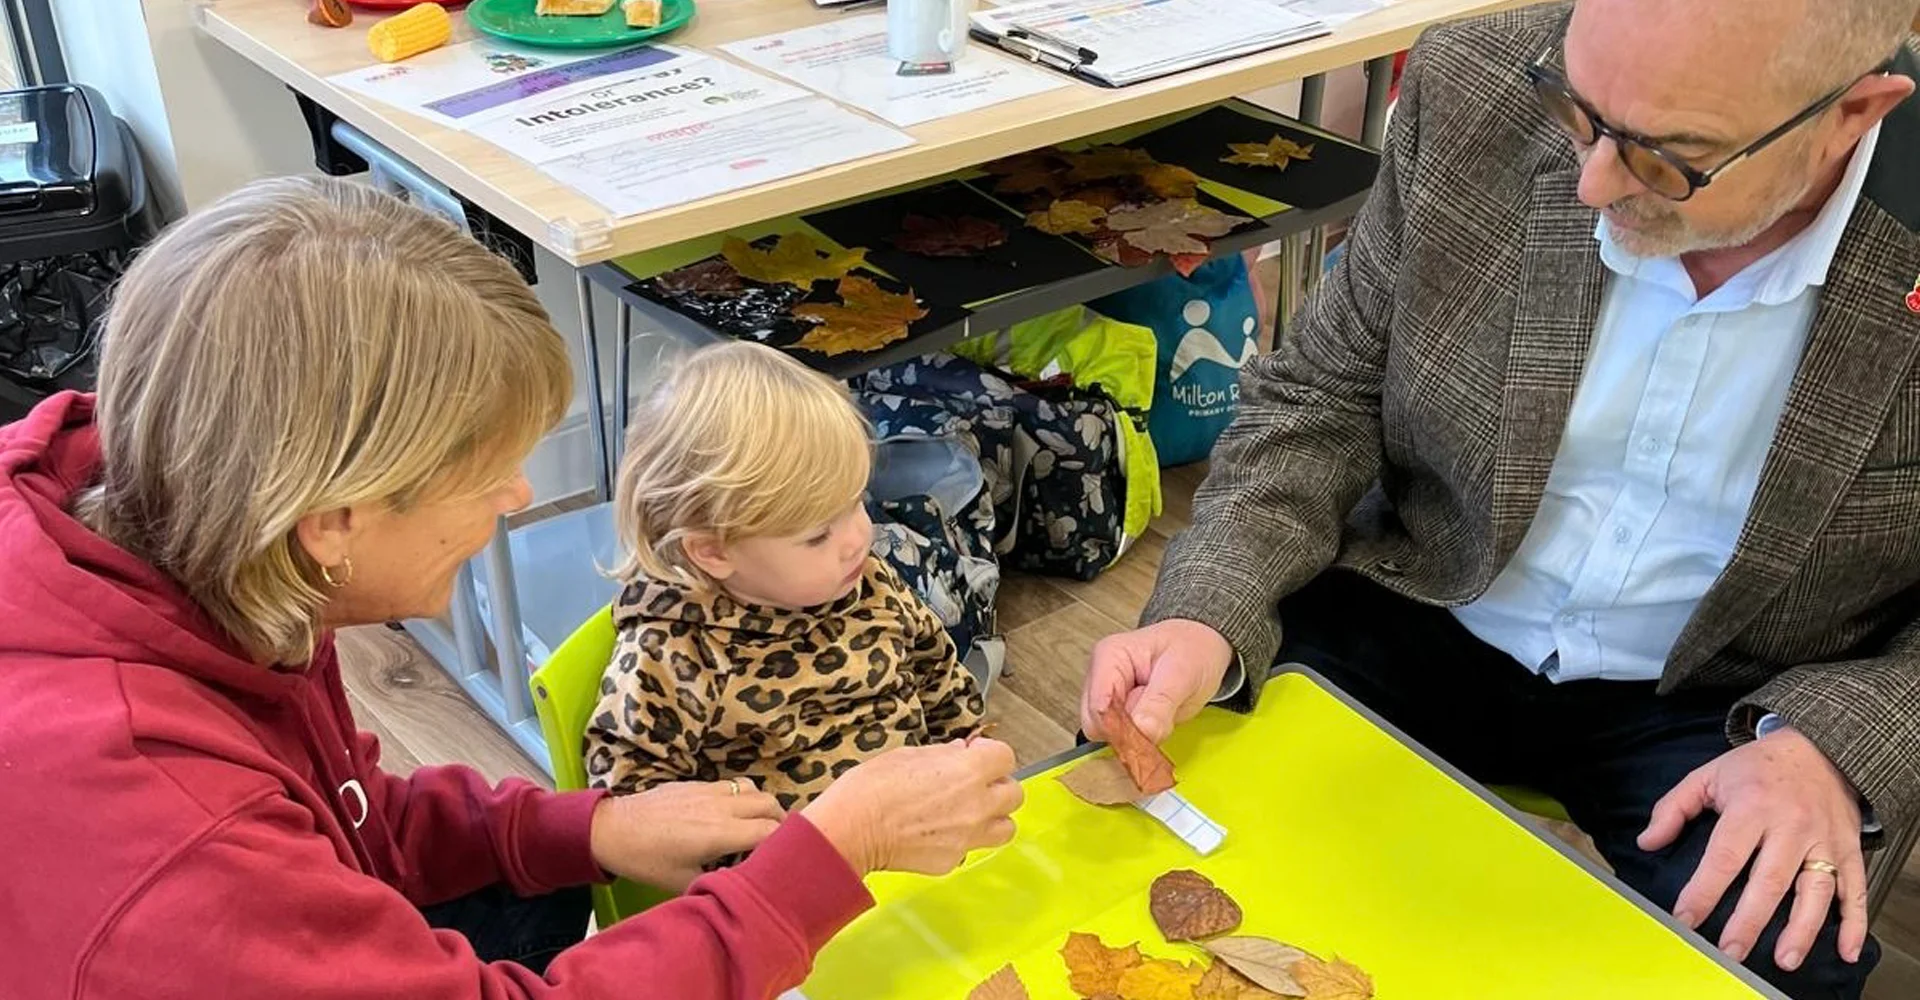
<point x="314" y="402"/>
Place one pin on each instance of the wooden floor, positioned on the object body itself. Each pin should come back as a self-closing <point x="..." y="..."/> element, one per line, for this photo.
<point x="1051" y="626"/>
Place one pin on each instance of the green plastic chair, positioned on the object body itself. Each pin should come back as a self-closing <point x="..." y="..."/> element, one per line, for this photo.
<point x="565" y="691"/>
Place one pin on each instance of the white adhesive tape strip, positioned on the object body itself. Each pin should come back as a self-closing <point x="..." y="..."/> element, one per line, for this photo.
<point x="1186" y="822"/>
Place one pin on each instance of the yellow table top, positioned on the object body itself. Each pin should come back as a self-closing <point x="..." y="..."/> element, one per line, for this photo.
<point x="275" y="35"/>
<point x="1341" y="840"/>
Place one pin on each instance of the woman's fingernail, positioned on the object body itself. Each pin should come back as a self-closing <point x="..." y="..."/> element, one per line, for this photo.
<point x="1790" y="961"/>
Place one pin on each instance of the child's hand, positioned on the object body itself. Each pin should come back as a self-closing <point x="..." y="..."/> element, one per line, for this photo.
<point x="663" y="836"/>
<point x="921" y="809"/>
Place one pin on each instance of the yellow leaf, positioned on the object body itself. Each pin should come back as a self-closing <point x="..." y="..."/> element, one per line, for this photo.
<point x="794" y="259"/>
<point x="1335" y="980"/>
<point x="1276" y="152"/>
<point x="1159" y="979"/>
<point x="1092" y="967"/>
<point x="1068" y="216"/>
<point x="867" y="318"/>
<point x="1002" y="985"/>
<point x="1169" y="181"/>
<point x="1222" y="983"/>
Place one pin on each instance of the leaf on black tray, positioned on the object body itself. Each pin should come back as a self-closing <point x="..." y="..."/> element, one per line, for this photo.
<point x="949" y="236"/>
<point x="713" y="276"/>
<point x="867" y="318"/>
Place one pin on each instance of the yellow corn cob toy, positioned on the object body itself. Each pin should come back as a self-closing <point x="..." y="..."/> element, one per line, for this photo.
<point x="411" y="32"/>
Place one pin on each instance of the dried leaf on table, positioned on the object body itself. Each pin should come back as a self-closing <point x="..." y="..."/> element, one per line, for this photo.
<point x="1187" y="906"/>
<point x="1102" y="781"/>
<point x="1159" y="979"/>
<point x="1092" y="967"/>
<point x="959" y="236"/>
<point x="1151" y="770"/>
<point x="1169" y="181"/>
<point x="794" y="259"/>
<point x="1222" y="983"/>
<point x="1002" y="985"/>
<point x="1172" y="227"/>
<point x="329" y="14"/>
<point x="867" y="318"/>
<point x="1103" y="162"/>
<point x="1263" y="960"/>
<point x="1068" y="216"/>
<point x="1335" y="980"/>
<point x="1028" y="173"/>
<point x="1276" y="152"/>
<point x="713" y="276"/>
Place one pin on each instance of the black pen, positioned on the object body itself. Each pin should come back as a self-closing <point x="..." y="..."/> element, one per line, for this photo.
<point x="1080" y="52"/>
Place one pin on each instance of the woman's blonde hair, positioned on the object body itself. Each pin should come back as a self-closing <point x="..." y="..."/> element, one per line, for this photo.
<point x="302" y="345"/>
<point x="741" y="441"/>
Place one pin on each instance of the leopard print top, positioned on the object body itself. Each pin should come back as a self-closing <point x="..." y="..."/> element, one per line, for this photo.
<point x="705" y="688"/>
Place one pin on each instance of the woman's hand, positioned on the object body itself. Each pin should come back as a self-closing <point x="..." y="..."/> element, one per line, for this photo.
<point x="920" y="809"/>
<point x="664" y="835"/>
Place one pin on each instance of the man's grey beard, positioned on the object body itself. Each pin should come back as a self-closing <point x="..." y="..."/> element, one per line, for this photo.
<point x="1666" y="235"/>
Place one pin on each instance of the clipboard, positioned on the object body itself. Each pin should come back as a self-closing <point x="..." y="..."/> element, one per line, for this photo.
<point x="1117" y="43"/>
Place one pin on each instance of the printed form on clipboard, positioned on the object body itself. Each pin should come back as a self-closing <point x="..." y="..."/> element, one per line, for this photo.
<point x="1119" y="42"/>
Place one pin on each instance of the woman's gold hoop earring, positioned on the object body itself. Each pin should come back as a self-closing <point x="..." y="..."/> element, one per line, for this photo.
<point x="346" y="577"/>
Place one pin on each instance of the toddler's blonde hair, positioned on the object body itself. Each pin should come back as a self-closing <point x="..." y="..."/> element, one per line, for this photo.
<point x="741" y="441"/>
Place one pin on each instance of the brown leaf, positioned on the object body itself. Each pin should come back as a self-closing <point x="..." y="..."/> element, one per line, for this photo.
<point x="1102" y="781"/>
<point x="708" y="277"/>
<point x="1028" y="173"/>
<point x="962" y="236"/>
<point x="1187" y="906"/>
<point x="1222" y="983"/>
<point x="1092" y="967"/>
<point x="1103" y="162"/>
<point x="1276" y="152"/>
<point x="1159" y="979"/>
<point x="868" y="317"/>
<point x="1172" y="227"/>
<point x="1262" y="960"/>
<point x="1169" y="181"/>
<point x="1002" y="985"/>
<point x="794" y="259"/>
<point x="1151" y="770"/>
<point x="1068" y="216"/>
<point x="1335" y="980"/>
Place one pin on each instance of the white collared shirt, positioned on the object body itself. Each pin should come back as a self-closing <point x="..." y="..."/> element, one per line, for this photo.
<point x="1661" y="455"/>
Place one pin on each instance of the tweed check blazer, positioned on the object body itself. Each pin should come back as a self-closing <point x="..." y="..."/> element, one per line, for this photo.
<point x="1405" y="429"/>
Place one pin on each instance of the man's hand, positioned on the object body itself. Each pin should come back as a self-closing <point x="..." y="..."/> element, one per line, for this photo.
<point x="1165" y="673"/>
<point x="1781" y="804"/>
<point x="666" y="834"/>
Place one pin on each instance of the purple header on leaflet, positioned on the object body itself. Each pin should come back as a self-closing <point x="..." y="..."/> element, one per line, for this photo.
<point x="507" y="91"/>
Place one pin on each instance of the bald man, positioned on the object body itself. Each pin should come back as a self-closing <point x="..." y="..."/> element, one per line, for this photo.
<point x="1595" y="464"/>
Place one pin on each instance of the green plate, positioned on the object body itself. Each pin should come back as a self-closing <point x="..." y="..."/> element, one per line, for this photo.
<point x="515" y="21"/>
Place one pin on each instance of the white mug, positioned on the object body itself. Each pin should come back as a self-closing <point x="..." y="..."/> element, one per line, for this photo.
<point x="927" y="31"/>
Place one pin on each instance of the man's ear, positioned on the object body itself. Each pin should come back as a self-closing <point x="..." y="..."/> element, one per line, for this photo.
<point x="1865" y="105"/>
<point x="706" y="552"/>
<point x="327" y="535"/>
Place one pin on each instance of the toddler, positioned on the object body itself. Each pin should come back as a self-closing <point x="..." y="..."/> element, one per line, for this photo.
<point x="758" y="635"/>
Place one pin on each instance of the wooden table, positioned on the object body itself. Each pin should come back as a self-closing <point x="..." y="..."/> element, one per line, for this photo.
<point x="452" y="172"/>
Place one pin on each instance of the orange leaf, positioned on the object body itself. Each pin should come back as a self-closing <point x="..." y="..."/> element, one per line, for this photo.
<point x="1223" y="983"/>
<point x="868" y="317"/>
<point x="794" y="259"/>
<point x="1187" y="906"/>
<point x="1335" y="980"/>
<point x="1151" y="770"/>
<point x="1002" y="985"/>
<point x="1159" y="979"/>
<point x="1092" y="967"/>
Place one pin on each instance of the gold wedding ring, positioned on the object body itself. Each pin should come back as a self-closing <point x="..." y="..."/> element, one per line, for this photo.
<point x="1823" y="867"/>
<point x="733" y="788"/>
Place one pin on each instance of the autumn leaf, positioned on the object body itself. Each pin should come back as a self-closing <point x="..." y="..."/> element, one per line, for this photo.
<point x="1103" y="162"/>
<point x="1187" y="906"/>
<point x="867" y="318"/>
<point x="1172" y="227"/>
<point x="1264" y="961"/>
<point x="1169" y="181"/>
<point x="1150" y="769"/>
<point x="1068" y="216"/>
<point x="1159" y="979"/>
<point x="1276" y="152"/>
<point x="1102" y="781"/>
<point x="1335" y="980"/>
<point x="962" y="236"/>
<point x="795" y="259"/>
<point x="1222" y="983"/>
<point x="1002" y="985"/>
<point x="1027" y="173"/>
<point x="708" y="277"/>
<point x="1092" y="967"/>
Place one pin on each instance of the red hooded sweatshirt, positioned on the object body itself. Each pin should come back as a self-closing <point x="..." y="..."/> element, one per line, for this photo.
<point x="179" y="822"/>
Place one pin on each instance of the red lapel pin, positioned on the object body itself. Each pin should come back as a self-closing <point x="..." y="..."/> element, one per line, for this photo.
<point x="1913" y="297"/>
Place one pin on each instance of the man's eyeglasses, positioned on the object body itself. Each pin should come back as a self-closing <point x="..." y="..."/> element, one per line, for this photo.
<point x="1663" y="172"/>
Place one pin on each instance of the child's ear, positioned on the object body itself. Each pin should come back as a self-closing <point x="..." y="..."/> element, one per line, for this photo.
<point x="708" y="554"/>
